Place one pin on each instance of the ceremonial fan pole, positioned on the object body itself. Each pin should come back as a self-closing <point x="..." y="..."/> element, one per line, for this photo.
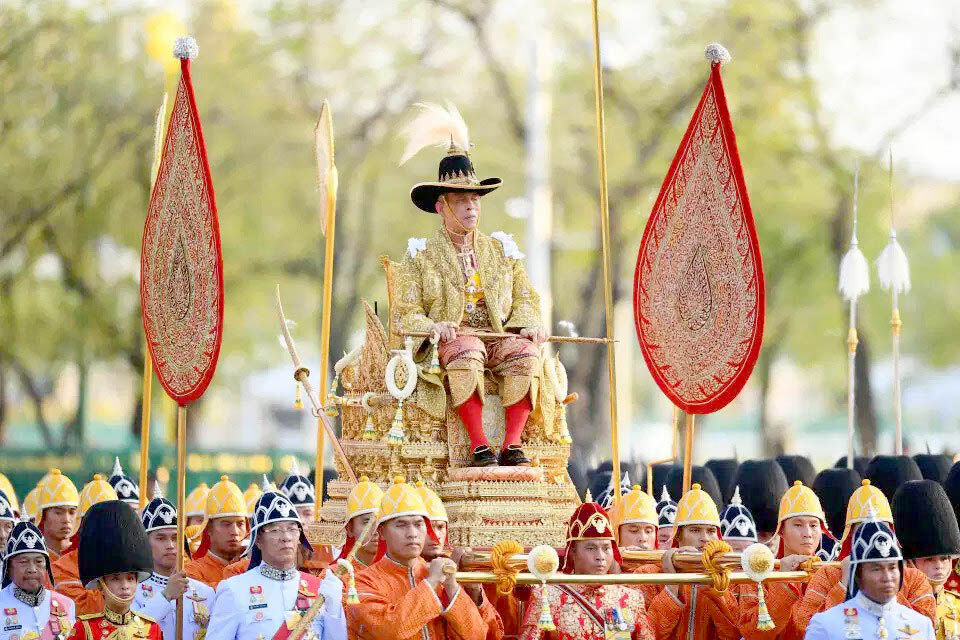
<point x="605" y="241"/>
<point x="854" y="281"/>
<point x="181" y="272"/>
<point x="147" y="397"/>
<point x="698" y="293"/>
<point x="327" y="182"/>
<point x="893" y="270"/>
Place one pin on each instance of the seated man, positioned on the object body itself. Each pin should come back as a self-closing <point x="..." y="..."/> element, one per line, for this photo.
<point x="874" y="578"/>
<point x="404" y="598"/>
<point x="271" y="597"/>
<point x="591" y="612"/>
<point x="114" y="556"/>
<point x="29" y="608"/>
<point x="222" y="535"/>
<point x="461" y="282"/>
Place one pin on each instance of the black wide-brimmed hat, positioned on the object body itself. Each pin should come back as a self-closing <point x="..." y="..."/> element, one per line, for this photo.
<point x="925" y="522"/>
<point x="698" y="475"/>
<point x="887" y="473"/>
<point x="762" y="483"/>
<point x="834" y="488"/>
<point x="440" y="126"/>
<point x="724" y="470"/>
<point x="934" y="466"/>
<point x="112" y="540"/>
<point x="797" y="468"/>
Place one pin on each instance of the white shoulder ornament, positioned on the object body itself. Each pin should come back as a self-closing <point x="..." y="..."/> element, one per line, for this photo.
<point x="510" y="248"/>
<point x="415" y="246"/>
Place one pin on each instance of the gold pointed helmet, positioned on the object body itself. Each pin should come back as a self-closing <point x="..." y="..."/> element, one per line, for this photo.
<point x="696" y="507"/>
<point x="196" y="501"/>
<point x="364" y="498"/>
<point x="400" y="499"/>
<point x="225" y="500"/>
<point x="866" y="498"/>
<point x="94" y="492"/>
<point x="30" y="509"/>
<point x="56" y="490"/>
<point x="433" y="503"/>
<point x="799" y="501"/>
<point x="7" y="488"/>
<point x="250" y="497"/>
<point x="635" y="507"/>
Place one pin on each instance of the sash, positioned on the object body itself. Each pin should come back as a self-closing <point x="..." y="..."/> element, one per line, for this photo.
<point x="307" y="593"/>
<point x="584" y="604"/>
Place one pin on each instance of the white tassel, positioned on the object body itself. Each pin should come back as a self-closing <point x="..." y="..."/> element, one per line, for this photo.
<point x="435" y="126"/>
<point x="716" y="53"/>
<point x="186" y="47"/>
<point x="854" y="273"/>
<point x="893" y="268"/>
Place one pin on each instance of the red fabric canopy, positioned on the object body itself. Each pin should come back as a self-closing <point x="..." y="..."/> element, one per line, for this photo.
<point x="698" y="287"/>
<point x="181" y="267"/>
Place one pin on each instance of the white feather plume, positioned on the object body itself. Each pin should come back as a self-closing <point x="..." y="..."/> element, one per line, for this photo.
<point x="893" y="269"/>
<point x="185" y="47"/>
<point x="854" y="273"/>
<point x="716" y="53"/>
<point x="434" y="126"/>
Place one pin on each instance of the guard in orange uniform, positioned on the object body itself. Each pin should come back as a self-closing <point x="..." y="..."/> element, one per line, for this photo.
<point x="222" y="533"/>
<point x="114" y="558"/>
<point x="57" y="500"/>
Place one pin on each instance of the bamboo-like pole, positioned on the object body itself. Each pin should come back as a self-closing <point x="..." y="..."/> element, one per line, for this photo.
<point x="318" y="470"/>
<point x="673" y="452"/>
<point x="181" y="499"/>
<point x="688" y="452"/>
<point x="851" y="381"/>
<point x="605" y="241"/>
<point x="895" y="325"/>
<point x="736" y="577"/>
<point x="145" y="423"/>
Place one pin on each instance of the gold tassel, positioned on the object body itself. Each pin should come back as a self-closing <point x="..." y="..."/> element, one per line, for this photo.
<point x="298" y="401"/>
<point x="331" y="408"/>
<point x="564" y="429"/>
<point x="369" y="429"/>
<point x="434" y="367"/>
<point x="396" y="435"/>
<point x="546" y="619"/>
<point x="764" y="621"/>
<point x="352" y="596"/>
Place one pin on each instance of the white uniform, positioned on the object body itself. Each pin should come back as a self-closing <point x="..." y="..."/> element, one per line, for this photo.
<point x="860" y="617"/>
<point x="251" y="606"/>
<point x="20" y="619"/>
<point x="198" y="599"/>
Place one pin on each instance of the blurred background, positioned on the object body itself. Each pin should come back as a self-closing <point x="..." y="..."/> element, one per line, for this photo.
<point x="814" y="86"/>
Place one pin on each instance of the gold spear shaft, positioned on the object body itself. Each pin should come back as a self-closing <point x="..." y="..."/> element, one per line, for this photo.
<point x="737" y="577"/>
<point x="605" y="241"/>
<point x="496" y="336"/>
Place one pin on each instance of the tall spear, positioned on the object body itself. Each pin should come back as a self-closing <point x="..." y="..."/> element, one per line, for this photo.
<point x="893" y="270"/>
<point x="327" y="182"/>
<point x="854" y="281"/>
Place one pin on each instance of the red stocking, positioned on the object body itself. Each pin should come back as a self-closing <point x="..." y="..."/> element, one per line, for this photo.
<point x="516" y="415"/>
<point x="471" y="412"/>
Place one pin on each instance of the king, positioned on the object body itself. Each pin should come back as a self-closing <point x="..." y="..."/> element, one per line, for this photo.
<point x="461" y="284"/>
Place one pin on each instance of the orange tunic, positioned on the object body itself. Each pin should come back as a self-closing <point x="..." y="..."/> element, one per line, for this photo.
<point x="396" y="603"/>
<point x="825" y="590"/>
<point x="67" y="576"/>
<point x="209" y="569"/>
<point x="649" y="591"/>
<point x="574" y="621"/>
<point x="780" y="598"/>
<point x="697" y="613"/>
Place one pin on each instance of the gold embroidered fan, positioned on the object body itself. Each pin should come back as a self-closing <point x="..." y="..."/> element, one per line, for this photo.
<point x="698" y="287"/>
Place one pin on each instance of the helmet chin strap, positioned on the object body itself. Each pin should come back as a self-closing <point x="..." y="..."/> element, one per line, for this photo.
<point x="449" y="217"/>
<point x="120" y="604"/>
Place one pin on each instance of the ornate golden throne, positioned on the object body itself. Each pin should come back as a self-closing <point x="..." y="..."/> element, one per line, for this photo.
<point x="527" y="504"/>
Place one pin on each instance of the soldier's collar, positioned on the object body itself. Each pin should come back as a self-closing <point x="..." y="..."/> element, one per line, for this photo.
<point x="282" y="575"/>
<point x="29" y="599"/>
<point x="875" y="608"/>
<point x="118" y="619"/>
<point x="159" y="579"/>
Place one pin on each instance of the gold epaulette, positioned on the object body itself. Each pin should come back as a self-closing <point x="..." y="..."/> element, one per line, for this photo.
<point x="953" y="593"/>
<point x="147" y="618"/>
<point x="89" y="616"/>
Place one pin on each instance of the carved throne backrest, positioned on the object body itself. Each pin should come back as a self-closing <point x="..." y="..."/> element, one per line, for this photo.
<point x="390" y="268"/>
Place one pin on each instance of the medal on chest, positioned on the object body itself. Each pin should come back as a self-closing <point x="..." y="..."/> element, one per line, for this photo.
<point x="11" y="620"/>
<point x="851" y="624"/>
<point x="618" y="624"/>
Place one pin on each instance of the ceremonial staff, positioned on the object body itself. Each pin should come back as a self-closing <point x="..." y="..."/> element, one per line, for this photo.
<point x="181" y="272"/>
<point x="893" y="270"/>
<point x="854" y="281"/>
<point x="605" y="242"/>
<point x="147" y="395"/>
<point x="327" y="182"/>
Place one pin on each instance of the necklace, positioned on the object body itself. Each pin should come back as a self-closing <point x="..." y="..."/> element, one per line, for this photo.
<point x="31" y="599"/>
<point x="283" y="575"/>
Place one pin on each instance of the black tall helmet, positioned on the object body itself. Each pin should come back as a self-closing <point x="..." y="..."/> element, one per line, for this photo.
<point x="834" y="488"/>
<point x="934" y="466"/>
<point x="887" y="473"/>
<point x="859" y="464"/>
<point x="762" y="483"/>
<point x="724" y="469"/>
<point x="698" y="475"/>
<point x="112" y="540"/>
<point x="797" y="468"/>
<point x="925" y="522"/>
